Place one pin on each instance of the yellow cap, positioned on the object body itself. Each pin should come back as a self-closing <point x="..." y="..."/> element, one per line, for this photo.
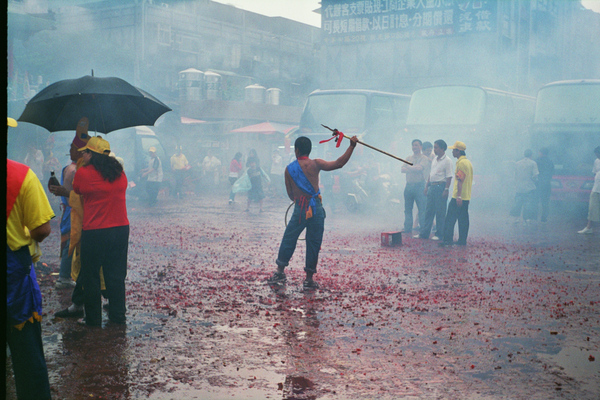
<point x="11" y="122"/>
<point x="152" y="149"/>
<point x="459" y="146"/>
<point x="97" y="145"/>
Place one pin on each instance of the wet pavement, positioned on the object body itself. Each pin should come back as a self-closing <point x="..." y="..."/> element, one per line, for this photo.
<point x="513" y="315"/>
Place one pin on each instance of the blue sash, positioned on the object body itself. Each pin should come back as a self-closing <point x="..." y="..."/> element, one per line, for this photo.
<point x="304" y="184"/>
<point x="23" y="296"/>
<point x="65" y="220"/>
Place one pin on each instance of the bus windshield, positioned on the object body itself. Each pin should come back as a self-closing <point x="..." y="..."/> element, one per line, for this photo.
<point x="447" y="105"/>
<point x="346" y="112"/>
<point x="568" y="104"/>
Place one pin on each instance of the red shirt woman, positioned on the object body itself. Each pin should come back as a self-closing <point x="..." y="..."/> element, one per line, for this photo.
<point x="102" y="183"/>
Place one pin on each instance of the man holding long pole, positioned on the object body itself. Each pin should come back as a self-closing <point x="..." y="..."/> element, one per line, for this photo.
<point x="302" y="184"/>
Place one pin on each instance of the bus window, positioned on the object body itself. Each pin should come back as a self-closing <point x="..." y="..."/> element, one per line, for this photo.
<point x="447" y="105"/>
<point x="345" y="112"/>
<point x="568" y="104"/>
<point x="382" y="112"/>
<point x="484" y="119"/>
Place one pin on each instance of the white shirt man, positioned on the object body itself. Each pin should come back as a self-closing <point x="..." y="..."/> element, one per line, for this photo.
<point x="436" y="190"/>
<point x="526" y="173"/>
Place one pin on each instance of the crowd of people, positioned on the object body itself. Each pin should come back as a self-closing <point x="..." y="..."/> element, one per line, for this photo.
<point x="92" y="192"/>
<point x="94" y="245"/>
<point x="428" y="179"/>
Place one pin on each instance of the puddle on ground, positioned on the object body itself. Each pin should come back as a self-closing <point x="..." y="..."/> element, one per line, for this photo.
<point x="575" y="362"/>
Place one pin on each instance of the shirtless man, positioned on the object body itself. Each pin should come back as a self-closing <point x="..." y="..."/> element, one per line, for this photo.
<point x="302" y="184"/>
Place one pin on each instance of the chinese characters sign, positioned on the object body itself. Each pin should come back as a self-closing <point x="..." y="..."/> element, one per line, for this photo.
<point x="348" y="21"/>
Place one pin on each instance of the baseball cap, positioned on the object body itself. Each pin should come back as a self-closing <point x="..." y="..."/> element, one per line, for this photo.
<point x="11" y="122"/>
<point x="152" y="149"/>
<point x="97" y="145"/>
<point x="459" y="146"/>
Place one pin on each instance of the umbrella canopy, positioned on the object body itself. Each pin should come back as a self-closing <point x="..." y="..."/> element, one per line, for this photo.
<point x="109" y="104"/>
<point x="266" y="128"/>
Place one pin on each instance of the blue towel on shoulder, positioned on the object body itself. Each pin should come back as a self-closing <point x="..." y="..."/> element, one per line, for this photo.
<point x="304" y="184"/>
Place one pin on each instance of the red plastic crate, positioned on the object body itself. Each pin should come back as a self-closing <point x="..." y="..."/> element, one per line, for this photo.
<point x="391" y="239"/>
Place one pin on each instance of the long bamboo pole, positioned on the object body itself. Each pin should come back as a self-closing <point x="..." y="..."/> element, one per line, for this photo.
<point x="336" y="133"/>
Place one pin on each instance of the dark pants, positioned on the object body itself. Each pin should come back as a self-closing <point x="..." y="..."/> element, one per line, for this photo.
<point x="462" y="215"/>
<point x="436" y="207"/>
<point x="526" y="202"/>
<point x="231" y="194"/>
<point x="77" y="296"/>
<point x="543" y="196"/>
<point x="179" y="179"/>
<point x="106" y="248"/>
<point x="152" y="189"/>
<point x="65" y="261"/>
<point x="29" y="365"/>
<point x="314" y="237"/>
<point x="414" y="193"/>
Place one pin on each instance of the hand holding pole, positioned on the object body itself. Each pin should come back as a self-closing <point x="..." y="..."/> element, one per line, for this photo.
<point x="338" y="133"/>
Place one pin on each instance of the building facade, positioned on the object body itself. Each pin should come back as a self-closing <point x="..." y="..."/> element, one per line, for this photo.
<point x="402" y="45"/>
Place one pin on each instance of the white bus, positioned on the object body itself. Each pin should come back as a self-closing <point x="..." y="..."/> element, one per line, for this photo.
<point x="494" y="124"/>
<point x="567" y="121"/>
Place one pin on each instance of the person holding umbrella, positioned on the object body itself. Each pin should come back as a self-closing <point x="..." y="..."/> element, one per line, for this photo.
<point x="102" y="183"/>
<point x="64" y="191"/>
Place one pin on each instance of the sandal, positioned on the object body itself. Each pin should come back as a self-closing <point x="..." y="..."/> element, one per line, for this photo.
<point x="310" y="284"/>
<point x="278" y="277"/>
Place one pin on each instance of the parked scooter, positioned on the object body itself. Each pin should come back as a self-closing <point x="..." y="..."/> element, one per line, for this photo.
<point x="370" y="195"/>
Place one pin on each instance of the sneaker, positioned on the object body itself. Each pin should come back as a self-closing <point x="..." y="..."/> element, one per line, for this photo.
<point x="310" y="284"/>
<point x="64" y="284"/>
<point x="586" y="230"/>
<point x="416" y="236"/>
<point x="230" y="201"/>
<point x="435" y="238"/>
<point x="278" y="277"/>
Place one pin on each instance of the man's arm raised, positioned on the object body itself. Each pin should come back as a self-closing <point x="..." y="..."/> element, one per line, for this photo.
<point x="340" y="162"/>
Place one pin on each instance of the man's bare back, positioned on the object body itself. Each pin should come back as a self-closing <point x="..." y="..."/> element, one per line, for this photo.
<point x="312" y="167"/>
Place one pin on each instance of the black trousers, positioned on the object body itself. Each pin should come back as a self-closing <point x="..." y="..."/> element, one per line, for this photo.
<point x="152" y="189"/>
<point x="29" y="364"/>
<point x="453" y="214"/>
<point x="106" y="248"/>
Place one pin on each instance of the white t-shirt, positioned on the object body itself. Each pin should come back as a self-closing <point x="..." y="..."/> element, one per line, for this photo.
<point x="526" y="172"/>
<point x="441" y="169"/>
<point x="596" y="170"/>
<point x="157" y="172"/>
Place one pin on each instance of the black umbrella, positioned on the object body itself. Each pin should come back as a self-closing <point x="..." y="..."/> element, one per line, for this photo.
<point x="108" y="103"/>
